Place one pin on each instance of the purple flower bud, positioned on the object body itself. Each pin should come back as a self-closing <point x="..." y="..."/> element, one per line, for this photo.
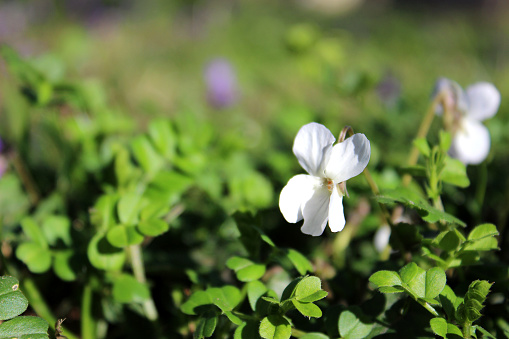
<point x="221" y="83"/>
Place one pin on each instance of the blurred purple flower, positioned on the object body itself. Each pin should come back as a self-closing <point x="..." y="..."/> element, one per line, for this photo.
<point x="3" y="160"/>
<point x="221" y="83"/>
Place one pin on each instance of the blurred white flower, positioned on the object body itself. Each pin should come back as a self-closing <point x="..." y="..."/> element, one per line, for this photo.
<point x="317" y="197"/>
<point x="464" y="112"/>
<point x="381" y="239"/>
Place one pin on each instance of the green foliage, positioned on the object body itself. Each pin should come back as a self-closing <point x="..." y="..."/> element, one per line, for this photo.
<point x="13" y="303"/>
<point x="137" y="202"/>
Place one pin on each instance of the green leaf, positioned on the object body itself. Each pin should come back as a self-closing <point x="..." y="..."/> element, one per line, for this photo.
<point x="275" y="327"/>
<point x="449" y="301"/>
<point x="299" y="261"/>
<point x="62" y="265"/>
<point x="439" y="326"/>
<point x="385" y="278"/>
<point x="196" y="302"/>
<point x="122" y="236"/>
<point x="226" y="297"/>
<point x="57" y="227"/>
<point x="482" y="231"/>
<point x="206" y="325"/>
<point x="470" y="309"/>
<point x="351" y="326"/>
<point x="455" y="173"/>
<point x="307" y="287"/>
<point x="248" y="330"/>
<point x="448" y="240"/>
<point x="255" y="290"/>
<point x="453" y="329"/>
<point x="422" y="145"/>
<point x="484" y="332"/>
<point x="391" y="289"/>
<point x="128" y="208"/>
<point x="24" y="327"/>
<point x="152" y="227"/>
<point x="307" y="309"/>
<point x="163" y="137"/>
<point x="33" y="232"/>
<point x="12" y="300"/>
<point x="233" y="318"/>
<point x="245" y="269"/>
<point x="103" y="212"/>
<point x="145" y="154"/>
<point x="435" y="282"/>
<point x="103" y="255"/>
<point x="126" y="289"/>
<point x="445" y="140"/>
<point x="36" y="257"/>
<point x="427" y="212"/>
<point x="167" y="186"/>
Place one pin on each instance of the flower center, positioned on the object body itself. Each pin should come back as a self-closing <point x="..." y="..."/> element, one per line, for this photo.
<point x="330" y="184"/>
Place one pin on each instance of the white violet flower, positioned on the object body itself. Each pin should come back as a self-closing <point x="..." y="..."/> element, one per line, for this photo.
<point x="317" y="197"/>
<point x="463" y="116"/>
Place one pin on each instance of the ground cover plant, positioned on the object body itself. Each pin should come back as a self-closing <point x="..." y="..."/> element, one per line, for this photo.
<point x="260" y="176"/>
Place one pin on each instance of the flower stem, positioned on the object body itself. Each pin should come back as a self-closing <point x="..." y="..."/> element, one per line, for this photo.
<point x="139" y="273"/>
<point x="88" y="325"/>
<point x="421" y="133"/>
<point x="26" y="178"/>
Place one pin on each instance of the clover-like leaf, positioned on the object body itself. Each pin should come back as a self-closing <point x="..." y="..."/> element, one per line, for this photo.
<point x="12" y="300"/>
<point x="103" y="255"/>
<point x="307" y="309"/>
<point x="122" y="236"/>
<point x="439" y="326"/>
<point x="226" y="297"/>
<point x="299" y="261"/>
<point x="275" y="327"/>
<point x="127" y="289"/>
<point x="196" y="302"/>
<point x="353" y="324"/>
<point x="36" y="257"/>
<point x="255" y="290"/>
<point x="454" y="173"/>
<point x="146" y="155"/>
<point x="152" y="227"/>
<point x="206" y="324"/>
<point x="245" y="269"/>
<point x="385" y="278"/>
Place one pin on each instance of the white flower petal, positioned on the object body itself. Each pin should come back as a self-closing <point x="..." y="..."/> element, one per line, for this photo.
<point x="295" y="195"/>
<point x="312" y="147"/>
<point x="316" y="212"/>
<point x="453" y="96"/>
<point x="484" y="100"/>
<point x="336" y="213"/>
<point x="471" y="144"/>
<point x="348" y="158"/>
<point x="382" y="236"/>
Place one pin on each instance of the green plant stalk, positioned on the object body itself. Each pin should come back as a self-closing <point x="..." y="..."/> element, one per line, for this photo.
<point x="422" y="133"/>
<point x="88" y="326"/>
<point x="40" y="307"/>
<point x="466" y="330"/>
<point x="139" y="273"/>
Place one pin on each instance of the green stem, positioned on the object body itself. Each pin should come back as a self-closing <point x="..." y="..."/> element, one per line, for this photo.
<point x="139" y="273"/>
<point x="88" y="326"/>
<point x="298" y="333"/>
<point x="422" y="133"/>
<point x="39" y="305"/>
<point x="466" y="330"/>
